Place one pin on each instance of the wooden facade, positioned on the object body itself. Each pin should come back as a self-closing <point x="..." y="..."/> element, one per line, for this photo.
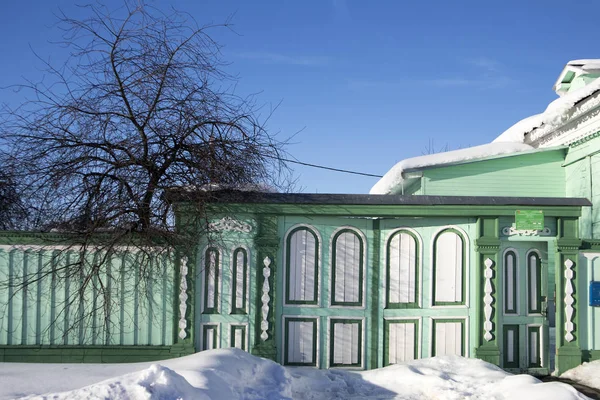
<point x="438" y="267"/>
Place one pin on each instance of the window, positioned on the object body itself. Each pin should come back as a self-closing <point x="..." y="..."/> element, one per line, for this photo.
<point x="302" y="269"/>
<point x="345" y="343"/>
<point x="237" y="337"/>
<point x="347" y="269"/>
<point x="448" y="337"/>
<point x="449" y="268"/>
<point x="402" y="261"/>
<point x="401" y="340"/>
<point x="239" y="281"/>
<point x="300" y="341"/>
<point x="211" y="280"/>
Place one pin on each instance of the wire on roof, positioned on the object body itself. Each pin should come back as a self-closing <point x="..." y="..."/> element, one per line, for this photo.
<point x="328" y="168"/>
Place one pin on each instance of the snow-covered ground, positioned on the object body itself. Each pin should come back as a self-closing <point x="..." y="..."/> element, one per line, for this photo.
<point x="587" y="374"/>
<point x="234" y="374"/>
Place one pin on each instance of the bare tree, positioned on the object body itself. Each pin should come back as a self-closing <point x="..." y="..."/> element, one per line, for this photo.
<point x="141" y="106"/>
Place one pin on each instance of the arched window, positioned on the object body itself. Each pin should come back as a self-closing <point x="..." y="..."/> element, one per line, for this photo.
<point x="402" y="272"/>
<point x="302" y="267"/>
<point x="239" y="281"/>
<point x="211" y="280"/>
<point x="347" y="269"/>
<point x="449" y="268"/>
<point x="510" y="282"/>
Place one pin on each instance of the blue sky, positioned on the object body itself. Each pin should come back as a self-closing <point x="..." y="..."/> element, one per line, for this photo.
<point x="364" y="84"/>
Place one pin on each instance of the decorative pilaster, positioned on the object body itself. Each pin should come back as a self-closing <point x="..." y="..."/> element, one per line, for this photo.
<point x="266" y="243"/>
<point x="488" y="248"/>
<point x="183" y="343"/>
<point x="568" y="354"/>
<point x="488" y="299"/>
<point x="183" y="271"/>
<point x="265" y="298"/>
<point x="569" y="300"/>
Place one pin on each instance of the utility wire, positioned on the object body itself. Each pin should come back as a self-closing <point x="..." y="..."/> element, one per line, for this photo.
<point x="329" y="168"/>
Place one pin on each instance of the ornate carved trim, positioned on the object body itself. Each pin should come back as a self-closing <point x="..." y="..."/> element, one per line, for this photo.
<point x="264" y="324"/>
<point x="566" y="128"/>
<point x="488" y="299"/>
<point x="511" y="231"/>
<point x="183" y="271"/>
<point x="569" y="301"/>
<point x="230" y="224"/>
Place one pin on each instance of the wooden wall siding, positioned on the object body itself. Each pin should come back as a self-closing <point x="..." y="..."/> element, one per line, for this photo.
<point x="401" y="341"/>
<point x="402" y="256"/>
<point x="345" y="344"/>
<point x="210" y="337"/>
<point x="52" y="310"/>
<point x="534" y="345"/>
<point x="448" y="338"/>
<point x="301" y="341"/>
<point x="240" y="280"/>
<point x="511" y="284"/>
<point x="539" y="174"/>
<point x="212" y="272"/>
<point x="534" y="280"/>
<point x="302" y="273"/>
<point x="238" y="337"/>
<point x="511" y="346"/>
<point x="449" y="266"/>
<point x="347" y="282"/>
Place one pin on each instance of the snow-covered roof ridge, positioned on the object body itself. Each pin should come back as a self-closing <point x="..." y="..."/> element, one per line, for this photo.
<point x="392" y="181"/>
<point x="555" y="115"/>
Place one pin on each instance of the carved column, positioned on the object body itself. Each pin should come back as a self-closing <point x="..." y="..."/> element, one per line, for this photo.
<point x="266" y="244"/>
<point x="183" y="342"/>
<point x="568" y="350"/>
<point x="486" y="299"/>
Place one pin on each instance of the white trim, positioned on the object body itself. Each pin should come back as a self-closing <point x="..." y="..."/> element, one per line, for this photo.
<point x="362" y="344"/>
<point x="466" y="332"/>
<point x="364" y="267"/>
<point x="246" y="326"/>
<point x="419" y="337"/>
<point x="383" y="269"/>
<point x="319" y="265"/>
<point x="203" y="277"/>
<point x="248" y="277"/>
<point x="517" y="286"/>
<point x="284" y="318"/>
<point x="218" y="333"/>
<point x="527" y="283"/>
<point x="466" y="277"/>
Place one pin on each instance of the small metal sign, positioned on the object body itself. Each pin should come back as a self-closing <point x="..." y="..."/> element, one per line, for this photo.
<point x="595" y="293"/>
<point x="529" y="220"/>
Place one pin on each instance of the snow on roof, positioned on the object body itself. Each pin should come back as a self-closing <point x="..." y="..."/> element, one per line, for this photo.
<point x="555" y="114"/>
<point x="392" y="181"/>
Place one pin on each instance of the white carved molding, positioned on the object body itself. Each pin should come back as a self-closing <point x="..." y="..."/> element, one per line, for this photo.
<point x="183" y="271"/>
<point x="511" y="231"/>
<point x="569" y="301"/>
<point x="488" y="299"/>
<point x="230" y="224"/>
<point x="575" y="124"/>
<point x="264" y="324"/>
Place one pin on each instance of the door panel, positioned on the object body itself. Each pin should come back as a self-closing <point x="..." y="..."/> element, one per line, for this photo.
<point x="525" y="326"/>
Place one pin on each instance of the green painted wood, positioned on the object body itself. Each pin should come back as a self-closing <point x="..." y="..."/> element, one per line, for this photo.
<point x="537" y="174"/>
<point x="44" y="305"/>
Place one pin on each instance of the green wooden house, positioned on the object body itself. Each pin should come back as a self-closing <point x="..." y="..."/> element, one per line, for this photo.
<point x="488" y="252"/>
